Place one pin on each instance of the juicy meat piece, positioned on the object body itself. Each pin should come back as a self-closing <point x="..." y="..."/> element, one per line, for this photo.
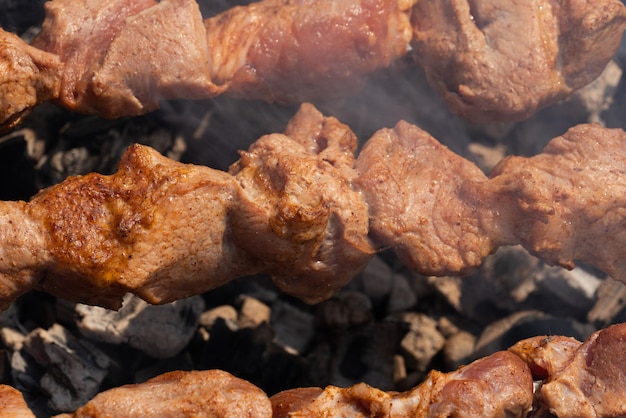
<point x="296" y="210"/>
<point x="496" y="386"/>
<point x="165" y="230"/>
<point x="28" y="76"/>
<point x="561" y="203"/>
<point x="492" y="60"/>
<point x="295" y="50"/>
<point x="579" y="379"/>
<point x="443" y="216"/>
<point x="209" y="393"/>
<point x="80" y="32"/>
<point x="136" y="72"/>
<point x="499" y="385"/>
<point x="594" y="383"/>
<point x="293" y="400"/>
<point x="12" y="403"/>
<point x="420" y="201"/>
<point x="152" y="224"/>
<point x="126" y="55"/>
<point x="546" y="355"/>
<point x="23" y="251"/>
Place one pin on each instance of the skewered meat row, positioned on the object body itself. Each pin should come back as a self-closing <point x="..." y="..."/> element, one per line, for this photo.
<point x="573" y="379"/>
<point x="499" y="385"/>
<point x="488" y="60"/>
<point x="301" y="208"/>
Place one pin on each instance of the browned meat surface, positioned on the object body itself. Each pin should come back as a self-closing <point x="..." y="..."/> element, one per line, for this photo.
<point x="12" y="404"/>
<point x="493" y="60"/>
<point x="165" y="230"/>
<point x="23" y="251"/>
<point x="297" y="207"/>
<point x="546" y="355"/>
<point x="420" y="205"/>
<point x="201" y="394"/>
<point x="80" y="33"/>
<point x="496" y="386"/>
<point x="559" y="204"/>
<point x="293" y="400"/>
<point x="154" y="226"/>
<point x="443" y="216"/>
<point x="126" y="55"/>
<point x="28" y="76"/>
<point x="579" y="379"/>
<point x="296" y="210"/>
<point x="300" y="50"/>
<point x="489" y="60"/>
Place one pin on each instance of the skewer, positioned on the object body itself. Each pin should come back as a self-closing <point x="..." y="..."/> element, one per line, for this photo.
<point x="488" y="63"/>
<point x="301" y="208"/>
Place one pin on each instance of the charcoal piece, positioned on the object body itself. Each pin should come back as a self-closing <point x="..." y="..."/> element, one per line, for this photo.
<point x="226" y="313"/>
<point x="18" y="15"/>
<point x="16" y="166"/>
<point x="422" y="342"/>
<point x="160" y="331"/>
<point x="346" y="309"/>
<point x="293" y="327"/>
<point x="505" y="332"/>
<point x="610" y="302"/>
<point x="365" y="354"/>
<point x="253" y="312"/>
<point x="250" y="353"/>
<point x="74" y="367"/>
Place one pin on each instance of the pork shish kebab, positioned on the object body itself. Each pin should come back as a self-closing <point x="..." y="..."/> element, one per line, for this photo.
<point x="489" y="60"/>
<point x="575" y="380"/>
<point x="572" y="379"/>
<point x="299" y="207"/>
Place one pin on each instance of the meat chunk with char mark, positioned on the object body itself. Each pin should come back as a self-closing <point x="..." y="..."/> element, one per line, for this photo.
<point x="297" y="210"/>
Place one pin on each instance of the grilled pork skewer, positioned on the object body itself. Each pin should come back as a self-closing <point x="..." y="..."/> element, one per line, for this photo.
<point x="165" y="230"/>
<point x="573" y="379"/>
<point x="488" y="60"/>
<point x="299" y="207"/>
